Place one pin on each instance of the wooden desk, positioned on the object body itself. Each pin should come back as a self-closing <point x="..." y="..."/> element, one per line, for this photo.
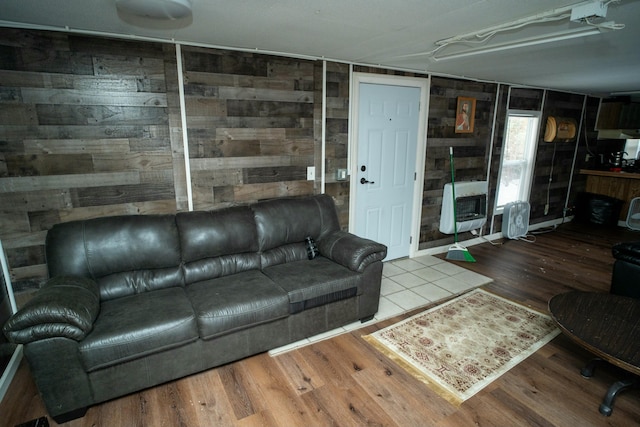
<point x="621" y="185"/>
<point x="608" y="326"/>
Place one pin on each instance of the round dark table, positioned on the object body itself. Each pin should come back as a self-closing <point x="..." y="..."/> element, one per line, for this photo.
<point x="608" y="326"/>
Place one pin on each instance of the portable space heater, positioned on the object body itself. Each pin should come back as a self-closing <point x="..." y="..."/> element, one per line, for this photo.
<point x="633" y="217"/>
<point x="515" y="220"/>
<point x="471" y="206"/>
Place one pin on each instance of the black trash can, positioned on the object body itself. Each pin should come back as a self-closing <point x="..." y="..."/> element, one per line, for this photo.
<point x="598" y="209"/>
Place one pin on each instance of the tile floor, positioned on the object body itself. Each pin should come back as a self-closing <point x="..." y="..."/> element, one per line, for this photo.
<point x="409" y="283"/>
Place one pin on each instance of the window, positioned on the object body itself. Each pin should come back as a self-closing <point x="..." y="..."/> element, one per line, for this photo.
<point x="518" y="156"/>
<point x="632" y="149"/>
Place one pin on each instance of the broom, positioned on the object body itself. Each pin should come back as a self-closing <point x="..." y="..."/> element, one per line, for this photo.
<point x="457" y="252"/>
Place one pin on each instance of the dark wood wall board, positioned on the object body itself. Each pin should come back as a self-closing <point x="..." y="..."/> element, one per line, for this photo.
<point x="274" y="174"/>
<point x="117" y="194"/>
<point x="48" y="164"/>
<point x="339" y="191"/>
<point x="19" y="115"/>
<point x="250" y="122"/>
<point x="70" y="146"/>
<point x="257" y="108"/>
<point x="138" y="161"/>
<point x="554" y="160"/>
<point x="201" y="145"/>
<point x="150" y="207"/>
<point x="12" y="134"/>
<point x="30" y="201"/>
<point x="525" y="99"/>
<point x="337" y="134"/>
<point x="98" y="97"/>
<point x="470" y="151"/>
<point x="84" y="132"/>
<point x="9" y="94"/>
<point x="249" y="193"/>
<point x="99" y="115"/>
<point x="587" y="144"/>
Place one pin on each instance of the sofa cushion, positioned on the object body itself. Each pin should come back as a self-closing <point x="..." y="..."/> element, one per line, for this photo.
<point x="216" y="233"/>
<point x="235" y="302"/>
<point x="138" y="325"/>
<point x="284" y="221"/>
<point x="217" y="243"/>
<point x="311" y="282"/>
<point x="143" y="245"/>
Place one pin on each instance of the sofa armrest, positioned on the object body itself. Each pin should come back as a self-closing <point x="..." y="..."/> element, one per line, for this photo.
<point x="64" y="307"/>
<point x="629" y="252"/>
<point x="351" y="251"/>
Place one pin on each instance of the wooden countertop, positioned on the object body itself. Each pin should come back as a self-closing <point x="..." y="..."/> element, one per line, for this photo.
<point x="626" y="175"/>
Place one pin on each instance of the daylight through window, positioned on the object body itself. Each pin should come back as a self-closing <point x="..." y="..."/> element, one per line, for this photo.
<point x="518" y="157"/>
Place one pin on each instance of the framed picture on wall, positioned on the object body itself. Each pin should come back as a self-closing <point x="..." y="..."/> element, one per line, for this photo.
<point x="465" y="114"/>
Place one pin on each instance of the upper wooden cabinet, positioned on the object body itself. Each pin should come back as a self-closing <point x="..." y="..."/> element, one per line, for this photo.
<point x="618" y="115"/>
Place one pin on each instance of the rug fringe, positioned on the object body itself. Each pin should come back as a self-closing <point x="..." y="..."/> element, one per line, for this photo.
<point x="452" y="396"/>
<point x="437" y="388"/>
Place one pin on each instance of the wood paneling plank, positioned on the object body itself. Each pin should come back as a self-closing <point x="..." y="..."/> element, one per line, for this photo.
<point x="35" y="183"/>
<point x="76" y="146"/>
<point x="98" y="97"/>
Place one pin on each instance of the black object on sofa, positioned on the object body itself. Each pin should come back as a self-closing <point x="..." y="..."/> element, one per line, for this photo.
<point x="626" y="269"/>
<point x="135" y="301"/>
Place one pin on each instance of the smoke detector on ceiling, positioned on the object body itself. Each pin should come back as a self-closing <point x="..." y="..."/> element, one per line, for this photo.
<point x="156" y="9"/>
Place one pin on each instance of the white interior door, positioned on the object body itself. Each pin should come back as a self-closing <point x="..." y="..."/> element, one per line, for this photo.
<point x="388" y="124"/>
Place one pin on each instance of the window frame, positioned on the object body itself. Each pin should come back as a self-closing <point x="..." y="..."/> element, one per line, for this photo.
<point x="531" y="151"/>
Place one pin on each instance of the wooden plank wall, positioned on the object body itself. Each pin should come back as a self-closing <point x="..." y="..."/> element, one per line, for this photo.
<point x="337" y="134"/>
<point x="554" y="169"/>
<point x="588" y="144"/>
<point x="471" y="151"/>
<point x="84" y="132"/>
<point x="554" y="160"/>
<point x="250" y="122"/>
<point x="92" y="127"/>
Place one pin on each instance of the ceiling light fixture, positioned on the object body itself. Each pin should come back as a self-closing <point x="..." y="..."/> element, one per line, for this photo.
<point x="530" y="41"/>
<point x="583" y="13"/>
<point x="156" y="9"/>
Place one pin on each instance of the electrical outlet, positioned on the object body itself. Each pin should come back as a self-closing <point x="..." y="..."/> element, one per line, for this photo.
<point x="311" y="173"/>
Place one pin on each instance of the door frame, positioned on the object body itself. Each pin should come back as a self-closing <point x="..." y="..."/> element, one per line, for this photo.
<point x="423" y="83"/>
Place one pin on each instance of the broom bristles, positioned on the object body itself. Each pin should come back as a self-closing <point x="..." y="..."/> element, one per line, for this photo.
<point x="459" y="253"/>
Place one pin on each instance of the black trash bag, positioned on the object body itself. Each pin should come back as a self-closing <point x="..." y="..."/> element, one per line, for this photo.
<point x="598" y="209"/>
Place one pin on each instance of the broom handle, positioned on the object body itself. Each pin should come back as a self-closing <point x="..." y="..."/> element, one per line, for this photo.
<point x="453" y="192"/>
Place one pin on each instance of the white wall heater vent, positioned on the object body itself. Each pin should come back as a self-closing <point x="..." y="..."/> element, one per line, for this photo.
<point x="515" y="220"/>
<point x="471" y="206"/>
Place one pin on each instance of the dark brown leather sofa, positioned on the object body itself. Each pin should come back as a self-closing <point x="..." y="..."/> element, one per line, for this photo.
<point x="135" y="301"/>
<point x="626" y="269"/>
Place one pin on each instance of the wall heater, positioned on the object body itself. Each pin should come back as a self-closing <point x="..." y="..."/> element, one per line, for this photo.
<point x="471" y="206"/>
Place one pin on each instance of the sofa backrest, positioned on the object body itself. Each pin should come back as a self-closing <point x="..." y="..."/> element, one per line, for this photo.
<point x="284" y="224"/>
<point x="130" y="254"/>
<point x="217" y="243"/>
<point x="123" y="254"/>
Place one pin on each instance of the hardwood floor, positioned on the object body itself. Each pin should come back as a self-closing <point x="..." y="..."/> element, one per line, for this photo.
<point x="343" y="381"/>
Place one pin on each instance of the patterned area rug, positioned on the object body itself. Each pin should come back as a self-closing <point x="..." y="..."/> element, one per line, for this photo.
<point x="461" y="346"/>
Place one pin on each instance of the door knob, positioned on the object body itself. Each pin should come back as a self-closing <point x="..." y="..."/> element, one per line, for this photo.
<point x="364" y="181"/>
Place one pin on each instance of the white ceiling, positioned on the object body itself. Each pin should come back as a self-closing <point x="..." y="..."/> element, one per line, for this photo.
<point x="380" y="32"/>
